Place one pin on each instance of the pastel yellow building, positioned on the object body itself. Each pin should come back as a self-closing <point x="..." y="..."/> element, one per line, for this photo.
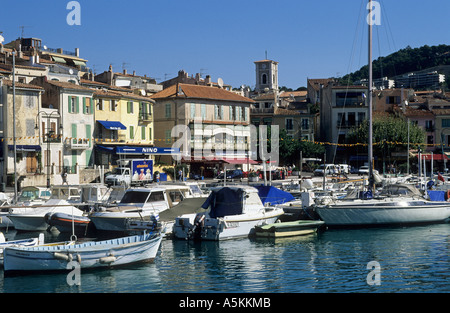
<point x="123" y="119"/>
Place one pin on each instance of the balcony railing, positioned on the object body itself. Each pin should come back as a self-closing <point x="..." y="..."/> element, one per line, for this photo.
<point x="77" y="144"/>
<point x="146" y="117"/>
<point x="262" y="110"/>
<point x="347" y="124"/>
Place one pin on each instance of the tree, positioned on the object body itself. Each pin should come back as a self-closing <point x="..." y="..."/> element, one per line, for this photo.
<point x="389" y="134"/>
<point x="290" y="148"/>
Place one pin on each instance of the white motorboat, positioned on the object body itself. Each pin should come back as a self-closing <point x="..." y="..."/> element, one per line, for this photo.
<point x="29" y="195"/>
<point x="32" y="217"/>
<point x="136" y="203"/>
<point x="395" y="204"/>
<point x="28" y="242"/>
<point x="232" y="212"/>
<point x="90" y="254"/>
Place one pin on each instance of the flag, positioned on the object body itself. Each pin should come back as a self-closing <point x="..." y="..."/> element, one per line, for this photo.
<point x="440" y="177"/>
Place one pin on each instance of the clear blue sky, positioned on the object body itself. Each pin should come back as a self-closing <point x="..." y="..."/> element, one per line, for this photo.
<point x="315" y="39"/>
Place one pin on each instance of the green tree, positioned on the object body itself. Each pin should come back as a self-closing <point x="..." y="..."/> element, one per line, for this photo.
<point x="389" y="134"/>
<point x="290" y="149"/>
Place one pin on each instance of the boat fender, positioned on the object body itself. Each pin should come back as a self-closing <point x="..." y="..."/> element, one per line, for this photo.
<point x="107" y="259"/>
<point x="79" y="258"/>
<point x="2" y="237"/>
<point x="448" y="195"/>
<point x="61" y="256"/>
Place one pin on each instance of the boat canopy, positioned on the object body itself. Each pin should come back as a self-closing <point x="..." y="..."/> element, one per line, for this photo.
<point x="225" y="201"/>
<point x="273" y="195"/>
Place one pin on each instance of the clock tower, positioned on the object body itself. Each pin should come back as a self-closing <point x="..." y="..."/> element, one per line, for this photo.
<point x="266" y="75"/>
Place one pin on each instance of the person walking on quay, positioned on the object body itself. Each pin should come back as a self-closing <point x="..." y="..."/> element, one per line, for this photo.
<point x="64" y="177"/>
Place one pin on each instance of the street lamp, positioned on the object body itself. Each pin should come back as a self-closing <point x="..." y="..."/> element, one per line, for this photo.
<point x="50" y="134"/>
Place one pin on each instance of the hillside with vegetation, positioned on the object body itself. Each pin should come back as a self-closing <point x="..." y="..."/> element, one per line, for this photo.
<point x="405" y="61"/>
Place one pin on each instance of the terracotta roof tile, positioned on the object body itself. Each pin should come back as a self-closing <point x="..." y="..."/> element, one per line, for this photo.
<point x="200" y="92"/>
<point x="21" y="85"/>
<point x="68" y="85"/>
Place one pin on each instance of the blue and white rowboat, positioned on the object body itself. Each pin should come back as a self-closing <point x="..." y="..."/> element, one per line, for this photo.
<point x="92" y="254"/>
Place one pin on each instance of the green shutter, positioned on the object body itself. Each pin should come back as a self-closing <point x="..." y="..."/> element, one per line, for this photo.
<point x="88" y="157"/>
<point x="150" y="133"/>
<point x="92" y="105"/>
<point x="77" y="105"/>
<point x="131" y="132"/>
<point x="69" y="106"/>
<point x="143" y="132"/>
<point x="84" y="105"/>
<point x="203" y="107"/>
<point x="88" y="134"/>
<point x="74" y="133"/>
<point x="74" y="160"/>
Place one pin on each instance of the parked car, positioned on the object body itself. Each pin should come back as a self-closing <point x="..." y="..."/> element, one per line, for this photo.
<point x="363" y="170"/>
<point x="232" y="174"/>
<point x="328" y="169"/>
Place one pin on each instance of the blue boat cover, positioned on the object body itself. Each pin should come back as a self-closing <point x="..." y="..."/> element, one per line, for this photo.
<point x="224" y="202"/>
<point x="273" y="195"/>
<point x="436" y="195"/>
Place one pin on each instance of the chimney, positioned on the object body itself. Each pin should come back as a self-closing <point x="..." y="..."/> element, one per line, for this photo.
<point x="124" y="71"/>
<point x="208" y="79"/>
<point x="77" y="52"/>
<point x="134" y="73"/>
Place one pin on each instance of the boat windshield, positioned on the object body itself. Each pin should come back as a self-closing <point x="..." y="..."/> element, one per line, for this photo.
<point x="29" y="195"/>
<point x="399" y="190"/>
<point x="135" y="197"/>
<point x="195" y="189"/>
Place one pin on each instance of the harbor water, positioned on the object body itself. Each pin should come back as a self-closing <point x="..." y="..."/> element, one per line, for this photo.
<point x="412" y="259"/>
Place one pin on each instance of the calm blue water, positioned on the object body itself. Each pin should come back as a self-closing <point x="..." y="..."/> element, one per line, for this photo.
<point x="412" y="259"/>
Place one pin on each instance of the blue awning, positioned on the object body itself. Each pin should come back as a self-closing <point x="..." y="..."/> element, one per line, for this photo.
<point x="25" y="148"/>
<point x="112" y="125"/>
<point x="105" y="148"/>
<point x="146" y="150"/>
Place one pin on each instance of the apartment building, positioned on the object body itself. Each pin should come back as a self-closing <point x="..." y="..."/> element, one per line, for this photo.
<point x="218" y="121"/>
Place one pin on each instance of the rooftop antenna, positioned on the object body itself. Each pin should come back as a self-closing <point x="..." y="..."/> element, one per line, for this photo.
<point x="166" y="75"/>
<point x="124" y="64"/>
<point x="23" y="28"/>
<point x="202" y="71"/>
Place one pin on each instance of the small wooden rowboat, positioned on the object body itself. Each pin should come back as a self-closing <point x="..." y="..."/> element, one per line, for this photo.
<point x="90" y="254"/>
<point x="288" y="229"/>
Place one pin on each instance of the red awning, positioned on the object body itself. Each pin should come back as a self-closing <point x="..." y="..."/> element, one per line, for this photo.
<point x="220" y="160"/>
<point x="239" y="161"/>
<point x="436" y="157"/>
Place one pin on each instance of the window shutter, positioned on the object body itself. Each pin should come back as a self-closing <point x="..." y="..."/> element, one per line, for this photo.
<point x="84" y="105"/>
<point x="77" y="105"/>
<point x="74" y="133"/>
<point x="143" y="132"/>
<point x="92" y="105"/>
<point x="88" y="134"/>
<point x="69" y="106"/>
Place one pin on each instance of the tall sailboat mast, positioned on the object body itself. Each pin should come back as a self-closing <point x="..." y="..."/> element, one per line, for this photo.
<point x="369" y="96"/>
